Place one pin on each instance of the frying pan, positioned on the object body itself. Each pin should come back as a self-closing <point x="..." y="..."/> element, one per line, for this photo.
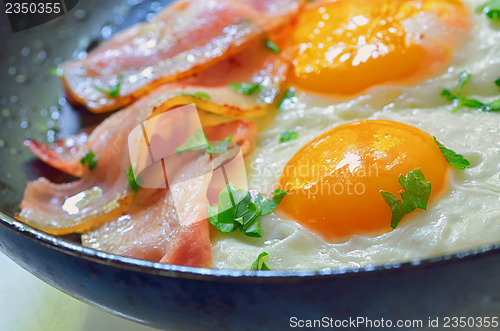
<point x="175" y="297"/>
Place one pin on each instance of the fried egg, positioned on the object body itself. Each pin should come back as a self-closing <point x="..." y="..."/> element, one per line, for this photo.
<point x="347" y="167"/>
<point x="346" y="47"/>
<point x="388" y="121"/>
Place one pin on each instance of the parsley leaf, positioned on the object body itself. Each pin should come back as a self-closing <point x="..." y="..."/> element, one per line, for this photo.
<point x="219" y="146"/>
<point x="287" y="98"/>
<point x="90" y="159"/>
<point x="491" y="9"/>
<point x="246" y="88"/>
<point x="114" y="90"/>
<point x="131" y="179"/>
<point x="494" y="106"/>
<point x="267" y="206"/>
<point x="236" y="210"/>
<point x="458" y="99"/>
<point x="272" y="46"/>
<point x="456" y="160"/>
<point x="461" y="101"/>
<point x="288" y="135"/>
<point x="416" y="195"/>
<point x="199" y="142"/>
<point x="56" y="71"/>
<point x="259" y="263"/>
<point x="199" y="95"/>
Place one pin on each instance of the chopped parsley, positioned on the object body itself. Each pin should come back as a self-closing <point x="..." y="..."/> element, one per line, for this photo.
<point x="259" y="263"/>
<point x="199" y="142"/>
<point x="455" y="160"/>
<point x="272" y="46"/>
<point x="415" y="196"/>
<point x="199" y="95"/>
<point x="246" y="88"/>
<point x="90" y="159"/>
<point x="236" y="210"/>
<point x="56" y="71"/>
<point x="131" y="179"/>
<point x="267" y="206"/>
<point x="287" y="98"/>
<point x="288" y="135"/>
<point x="219" y="146"/>
<point x="460" y="101"/>
<point x="114" y="90"/>
<point x="491" y="9"/>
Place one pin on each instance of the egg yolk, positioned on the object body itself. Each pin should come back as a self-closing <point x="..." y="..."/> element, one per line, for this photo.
<point x="348" y="46"/>
<point x="335" y="180"/>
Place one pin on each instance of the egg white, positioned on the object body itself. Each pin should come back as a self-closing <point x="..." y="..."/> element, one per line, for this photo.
<point x="466" y="216"/>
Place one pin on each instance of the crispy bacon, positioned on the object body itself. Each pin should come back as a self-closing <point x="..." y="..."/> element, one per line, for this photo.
<point x="66" y="154"/>
<point x="255" y="64"/>
<point x="103" y="193"/>
<point x="153" y="230"/>
<point x="185" y="39"/>
<point x="44" y="205"/>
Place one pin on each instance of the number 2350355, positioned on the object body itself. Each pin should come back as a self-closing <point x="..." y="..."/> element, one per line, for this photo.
<point x="470" y="322"/>
<point x="33" y="8"/>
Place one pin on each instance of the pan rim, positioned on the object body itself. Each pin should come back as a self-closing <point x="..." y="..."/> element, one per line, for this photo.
<point x="249" y="276"/>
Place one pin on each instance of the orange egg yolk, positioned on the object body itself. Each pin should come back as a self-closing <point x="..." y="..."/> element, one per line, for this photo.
<point x="348" y="46"/>
<point x="335" y="180"/>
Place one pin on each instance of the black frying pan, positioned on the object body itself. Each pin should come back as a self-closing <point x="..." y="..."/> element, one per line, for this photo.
<point x="32" y="106"/>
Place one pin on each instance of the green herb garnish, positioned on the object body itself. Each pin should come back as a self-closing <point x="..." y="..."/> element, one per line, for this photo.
<point x="462" y="101"/>
<point x="56" y="71"/>
<point x="272" y="46"/>
<point x="416" y="195"/>
<point x="90" y="159"/>
<point x="288" y="135"/>
<point x="245" y="88"/>
<point x="219" y="146"/>
<point x="267" y="206"/>
<point x="114" y="90"/>
<point x="131" y="179"/>
<point x="259" y="263"/>
<point x="458" y="99"/>
<point x="287" y="97"/>
<point x="199" y="142"/>
<point x="199" y="95"/>
<point x="491" y="9"/>
<point x="236" y="210"/>
<point x="455" y="160"/>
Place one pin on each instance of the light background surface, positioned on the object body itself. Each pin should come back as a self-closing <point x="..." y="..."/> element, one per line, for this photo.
<point x="28" y="304"/>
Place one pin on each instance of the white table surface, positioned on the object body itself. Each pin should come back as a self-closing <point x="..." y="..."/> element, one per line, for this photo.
<point x="28" y="304"/>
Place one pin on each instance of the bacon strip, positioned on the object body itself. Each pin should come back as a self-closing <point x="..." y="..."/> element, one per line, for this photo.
<point x="102" y="192"/>
<point x="186" y="38"/>
<point x="255" y="64"/>
<point x="66" y="155"/>
<point x="43" y="205"/>
<point x="152" y="228"/>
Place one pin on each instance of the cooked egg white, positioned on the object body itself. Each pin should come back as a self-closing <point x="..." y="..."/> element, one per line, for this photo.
<point x="465" y="216"/>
